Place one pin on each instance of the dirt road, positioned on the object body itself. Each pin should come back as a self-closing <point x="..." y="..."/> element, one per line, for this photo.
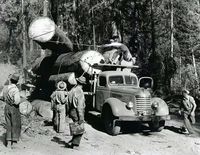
<point x="95" y="141"/>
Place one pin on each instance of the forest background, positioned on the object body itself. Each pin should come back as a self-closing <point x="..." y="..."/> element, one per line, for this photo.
<point x="143" y="25"/>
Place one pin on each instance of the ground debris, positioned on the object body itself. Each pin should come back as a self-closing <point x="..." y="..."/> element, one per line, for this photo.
<point x="133" y="152"/>
<point x="197" y="143"/>
<point x="33" y="125"/>
<point x="159" y="141"/>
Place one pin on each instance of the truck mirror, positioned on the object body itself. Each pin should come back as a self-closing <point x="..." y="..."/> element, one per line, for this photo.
<point x="146" y="82"/>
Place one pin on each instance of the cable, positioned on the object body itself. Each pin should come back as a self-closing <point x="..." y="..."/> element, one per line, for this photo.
<point x="42" y="34"/>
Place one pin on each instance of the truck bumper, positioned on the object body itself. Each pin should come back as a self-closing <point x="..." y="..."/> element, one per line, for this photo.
<point x="143" y="118"/>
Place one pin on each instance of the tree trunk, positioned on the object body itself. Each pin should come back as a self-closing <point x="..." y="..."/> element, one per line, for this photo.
<point x="54" y="10"/>
<point x="152" y="27"/>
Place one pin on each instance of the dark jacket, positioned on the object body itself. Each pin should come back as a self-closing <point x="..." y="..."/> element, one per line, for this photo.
<point x="76" y="100"/>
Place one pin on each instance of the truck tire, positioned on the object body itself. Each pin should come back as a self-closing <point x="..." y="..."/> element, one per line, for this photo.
<point x="108" y="120"/>
<point x="157" y="126"/>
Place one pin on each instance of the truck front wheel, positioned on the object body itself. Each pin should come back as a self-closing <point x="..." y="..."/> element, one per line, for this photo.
<point x="108" y="119"/>
<point x="157" y="126"/>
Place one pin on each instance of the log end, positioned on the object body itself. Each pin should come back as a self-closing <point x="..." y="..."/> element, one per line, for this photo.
<point x="42" y="29"/>
<point x="88" y="59"/>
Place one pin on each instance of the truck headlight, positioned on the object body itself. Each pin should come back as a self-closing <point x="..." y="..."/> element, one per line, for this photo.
<point x="130" y="105"/>
<point x="155" y="105"/>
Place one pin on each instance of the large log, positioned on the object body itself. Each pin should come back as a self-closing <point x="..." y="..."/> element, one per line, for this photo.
<point x="78" y="63"/>
<point x="43" y="108"/>
<point x="67" y="77"/>
<point x="45" y="32"/>
<point x="51" y="69"/>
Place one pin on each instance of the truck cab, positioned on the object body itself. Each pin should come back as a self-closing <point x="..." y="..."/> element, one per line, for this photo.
<point x="120" y="96"/>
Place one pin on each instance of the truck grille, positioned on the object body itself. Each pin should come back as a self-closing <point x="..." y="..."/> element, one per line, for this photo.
<point x="143" y="104"/>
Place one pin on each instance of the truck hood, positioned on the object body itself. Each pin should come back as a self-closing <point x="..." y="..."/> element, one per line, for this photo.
<point x="132" y="91"/>
<point x="128" y="94"/>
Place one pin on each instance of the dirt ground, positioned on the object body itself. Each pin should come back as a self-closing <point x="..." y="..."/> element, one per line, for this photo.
<point x="40" y="139"/>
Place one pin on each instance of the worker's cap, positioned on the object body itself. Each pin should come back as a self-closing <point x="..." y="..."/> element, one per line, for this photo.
<point x="185" y="91"/>
<point x="81" y="80"/>
<point x="61" y="85"/>
<point x="15" y="77"/>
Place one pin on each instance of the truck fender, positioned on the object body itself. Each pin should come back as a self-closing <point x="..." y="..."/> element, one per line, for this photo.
<point x="162" y="108"/>
<point x="118" y="107"/>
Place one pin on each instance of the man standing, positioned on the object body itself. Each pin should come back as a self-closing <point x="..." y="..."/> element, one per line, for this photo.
<point x="10" y="94"/>
<point x="58" y="100"/>
<point x="77" y="107"/>
<point x="188" y="108"/>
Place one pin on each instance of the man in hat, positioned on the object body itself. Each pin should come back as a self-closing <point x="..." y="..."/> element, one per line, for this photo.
<point x="187" y="110"/>
<point x="10" y="94"/>
<point x="77" y="108"/>
<point x="58" y="100"/>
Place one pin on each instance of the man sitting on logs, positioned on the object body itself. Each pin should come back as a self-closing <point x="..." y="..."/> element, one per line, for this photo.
<point x="115" y="52"/>
<point x="58" y="100"/>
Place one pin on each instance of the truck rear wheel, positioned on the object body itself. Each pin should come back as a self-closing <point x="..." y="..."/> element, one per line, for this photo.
<point x="157" y="126"/>
<point x="108" y="119"/>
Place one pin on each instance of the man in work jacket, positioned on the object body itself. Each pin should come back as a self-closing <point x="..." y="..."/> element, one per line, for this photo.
<point x="58" y="100"/>
<point x="10" y="94"/>
<point x="76" y="101"/>
<point x="187" y="110"/>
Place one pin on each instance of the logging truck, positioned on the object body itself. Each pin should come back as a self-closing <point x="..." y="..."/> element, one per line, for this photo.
<point x="117" y="96"/>
<point x="120" y="96"/>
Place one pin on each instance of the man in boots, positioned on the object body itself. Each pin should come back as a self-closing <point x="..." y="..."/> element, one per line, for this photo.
<point x="11" y="96"/>
<point x="76" y="109"/>
<point x="188" y="108"/>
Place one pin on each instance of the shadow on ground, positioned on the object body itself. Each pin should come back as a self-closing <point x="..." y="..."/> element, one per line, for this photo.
<point x="59" y="141"/>
<point x="3" y="139"/>
<point x="177" y="117"/>
<point x="48" y="123"/>
<point x="95" y="122"/>
<point x="126" y="127"/>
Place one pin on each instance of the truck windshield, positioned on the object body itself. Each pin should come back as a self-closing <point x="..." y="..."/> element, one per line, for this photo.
<point x="115" y="80"/>
<point x="131" y="80"/>
<point x="119" y="80"/>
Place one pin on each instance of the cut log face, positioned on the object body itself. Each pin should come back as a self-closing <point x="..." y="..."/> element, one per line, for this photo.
<point x="25" y="107"/>
<point x="42" y="29"/>
<point x="45" y="32"/>
<point x="88" y="59"/>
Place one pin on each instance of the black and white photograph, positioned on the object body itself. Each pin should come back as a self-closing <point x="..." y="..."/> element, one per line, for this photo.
<point x="100" y="77"/>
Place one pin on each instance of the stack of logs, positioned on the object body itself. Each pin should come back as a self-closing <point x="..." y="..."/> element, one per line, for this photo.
<point x="64" y="62"/>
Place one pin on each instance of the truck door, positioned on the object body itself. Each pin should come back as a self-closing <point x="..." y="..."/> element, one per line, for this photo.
<point x="102" y="92"/>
